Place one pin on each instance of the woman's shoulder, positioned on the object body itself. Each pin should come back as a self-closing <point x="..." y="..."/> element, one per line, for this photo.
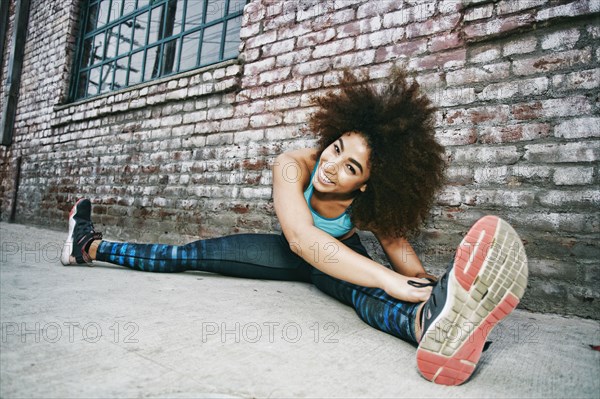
<point x="306" y="159"/>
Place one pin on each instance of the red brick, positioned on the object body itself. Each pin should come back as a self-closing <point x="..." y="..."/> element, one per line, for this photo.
<point x="379" y="38"/>
<point x="314" y="38"/>
<point x="445" y="41"/>
<point x="262" y="39"/>
<point x="433" y="26"/>
<point x="497" y="26"/>
<point x="586" y="80"/>
<point x="356" y="28"/>
<point x="407" y="49"/>
<point x="578" y="128"/>
<point x="511" y="133"/>
<point x="440" y="60"/>
<point x="334" y="48"/>
<point x="569" y="106"/>
<point x="482" y="12"/>
<point x="278" y="48"/>
<point x="486" y="73"/>
<point x="478" y="115"/>
<point x="581" y="153"/>
<point x="552" y="62"/>
<point x="457" y="136"/>
<point x="579" y="7"/>
<point x="255" y="68"/>
<point x="373" y="8"/>
<point x="510" y="7"/>
<point x="520" y="46"/>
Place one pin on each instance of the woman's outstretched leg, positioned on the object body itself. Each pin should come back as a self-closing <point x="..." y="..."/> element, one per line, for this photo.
<point x="263" y="256"/>
<point x="372" y="305"/>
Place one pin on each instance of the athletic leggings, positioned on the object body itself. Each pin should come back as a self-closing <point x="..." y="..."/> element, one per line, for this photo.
<point x="266" y="256"/>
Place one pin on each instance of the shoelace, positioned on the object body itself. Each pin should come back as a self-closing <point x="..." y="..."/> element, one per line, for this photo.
<point x="419" y="284"/>
<point x="432" y="283"/>
<point x="83" y="228"/>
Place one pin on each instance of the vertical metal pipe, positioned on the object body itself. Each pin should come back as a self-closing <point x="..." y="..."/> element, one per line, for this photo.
<point x="16" y="182"/>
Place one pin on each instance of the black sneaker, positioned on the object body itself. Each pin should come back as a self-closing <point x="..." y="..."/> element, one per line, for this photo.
<point x="482" y="286"/>
<point x="81" y="234"/>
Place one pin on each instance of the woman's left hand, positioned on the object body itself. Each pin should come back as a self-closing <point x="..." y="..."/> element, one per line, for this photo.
<point x="396" y="285"/>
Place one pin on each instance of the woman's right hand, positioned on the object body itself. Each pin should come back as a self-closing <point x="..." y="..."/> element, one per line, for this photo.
<point x="396" y="285"/>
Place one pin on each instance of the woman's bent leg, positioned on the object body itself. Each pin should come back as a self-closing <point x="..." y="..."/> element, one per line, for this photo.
<point x="372" y="305"/>
<point x="262" y="256"/>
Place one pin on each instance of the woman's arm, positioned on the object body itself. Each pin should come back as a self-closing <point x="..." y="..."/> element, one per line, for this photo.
<point x="290" y="173"/>
<point x="402" y="256"/>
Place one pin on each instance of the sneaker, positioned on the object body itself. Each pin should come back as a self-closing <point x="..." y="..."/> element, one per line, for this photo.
<point x="81" y="234"/>
<point x="482" y="286"/>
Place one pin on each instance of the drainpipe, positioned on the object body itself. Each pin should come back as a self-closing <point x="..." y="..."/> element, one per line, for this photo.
<point x="13" y="207"/>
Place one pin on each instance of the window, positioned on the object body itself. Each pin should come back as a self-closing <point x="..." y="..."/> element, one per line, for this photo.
<point x="126" y="42"/>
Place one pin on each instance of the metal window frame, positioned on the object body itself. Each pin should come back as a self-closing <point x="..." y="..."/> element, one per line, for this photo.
<point x="13" y="74"/>
<point x="79" y="70"/>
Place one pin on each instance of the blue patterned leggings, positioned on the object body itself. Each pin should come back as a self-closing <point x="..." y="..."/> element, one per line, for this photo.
<point x="266" y="256"/>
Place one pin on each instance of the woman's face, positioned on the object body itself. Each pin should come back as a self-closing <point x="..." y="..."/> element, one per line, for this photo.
<point x="344" y="166"/>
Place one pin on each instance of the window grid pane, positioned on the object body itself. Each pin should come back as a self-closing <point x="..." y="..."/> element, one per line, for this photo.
<point x="127" y="42"/>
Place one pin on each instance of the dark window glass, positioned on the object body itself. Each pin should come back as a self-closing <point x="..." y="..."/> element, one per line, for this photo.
<point x="87" y="52"/>
<point x="126" y="42"/>
<point x="82" y="84"/>
<point x="151" y="62"/>
<point x="174" y="18"/>
<point x="92" y="18"/>
<point x="170" y="56"/>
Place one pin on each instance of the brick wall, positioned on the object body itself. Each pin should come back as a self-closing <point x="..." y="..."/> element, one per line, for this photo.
<point x="516" y="83"/>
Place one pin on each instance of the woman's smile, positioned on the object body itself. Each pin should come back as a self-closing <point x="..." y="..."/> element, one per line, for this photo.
<point x="343" y="165"/>
<point x="323" y="176"/>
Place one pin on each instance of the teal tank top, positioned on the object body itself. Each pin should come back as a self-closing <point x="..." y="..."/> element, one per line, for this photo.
<point x="336" y="227"/>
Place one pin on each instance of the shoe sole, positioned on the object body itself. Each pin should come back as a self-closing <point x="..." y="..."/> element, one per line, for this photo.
<point x="487" y="281"/>
<point x="68" y="247"/>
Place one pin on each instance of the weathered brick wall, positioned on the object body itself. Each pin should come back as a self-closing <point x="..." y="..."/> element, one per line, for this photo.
<point x="516" y="83"/>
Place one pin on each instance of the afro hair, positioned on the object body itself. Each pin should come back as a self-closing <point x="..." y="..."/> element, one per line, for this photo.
<point x="407" y="163"/>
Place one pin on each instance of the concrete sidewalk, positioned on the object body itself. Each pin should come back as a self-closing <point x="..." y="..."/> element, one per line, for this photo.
<point x="111" y="332"/>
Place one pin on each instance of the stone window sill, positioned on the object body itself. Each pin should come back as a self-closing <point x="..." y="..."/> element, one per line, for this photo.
<point x="209" y="80"/>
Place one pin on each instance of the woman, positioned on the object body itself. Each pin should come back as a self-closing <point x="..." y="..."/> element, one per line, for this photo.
<point x="377" y="167"/>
